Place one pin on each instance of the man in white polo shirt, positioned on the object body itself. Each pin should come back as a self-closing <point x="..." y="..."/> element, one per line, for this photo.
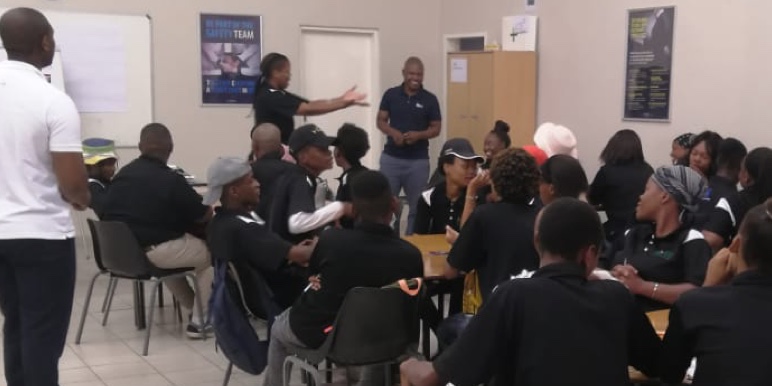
<point x="42" y="177"/>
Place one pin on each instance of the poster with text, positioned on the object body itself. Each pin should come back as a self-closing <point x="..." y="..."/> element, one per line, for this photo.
<point x="231" y="50"/>
<point x="649" y="63"/>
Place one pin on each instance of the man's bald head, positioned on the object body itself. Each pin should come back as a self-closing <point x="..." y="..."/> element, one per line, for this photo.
<point x="266" y="139"/>
<point x="27" y="36"/>
<point x="155" y="141"/>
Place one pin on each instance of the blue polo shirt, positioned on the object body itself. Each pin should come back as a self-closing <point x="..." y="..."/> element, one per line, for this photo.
<point x="409" y="113"/>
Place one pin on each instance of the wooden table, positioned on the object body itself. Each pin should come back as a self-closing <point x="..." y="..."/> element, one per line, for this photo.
<point x="434" y="250"/>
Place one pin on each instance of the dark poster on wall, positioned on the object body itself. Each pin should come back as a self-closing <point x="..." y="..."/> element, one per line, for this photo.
<point x="231" y="49"/>
<point x="649" y="63"/>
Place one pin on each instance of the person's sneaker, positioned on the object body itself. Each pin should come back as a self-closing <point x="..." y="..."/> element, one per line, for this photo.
<point x="195" y="331"/>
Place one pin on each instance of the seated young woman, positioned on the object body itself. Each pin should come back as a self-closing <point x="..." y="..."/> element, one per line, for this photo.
<point x="443" y="204"/>
<point x="620" y="181"/>
<point x="726" y="327"/>
<point x="679" y="150"/>
<point x="703" y="158"/>
<point x="664" y="257"/>
<point x="756" y="180"/>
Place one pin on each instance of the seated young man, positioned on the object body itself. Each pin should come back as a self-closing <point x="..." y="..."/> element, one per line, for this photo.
<point x="555" y="328"/>
<point x="370" y="255"/>
<point x="726" y="327"/>
<point x="161" y="209"/>
<point x="350" y="146"/>
<point x="100" y="159"/>
<point x="268" y="163"/>
<point x="238" y="235"/>
<point x="295" y="213"/>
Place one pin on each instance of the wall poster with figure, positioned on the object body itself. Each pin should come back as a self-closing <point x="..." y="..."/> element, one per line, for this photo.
<point x="231" y="49"/>
<point x="649" y="63"/>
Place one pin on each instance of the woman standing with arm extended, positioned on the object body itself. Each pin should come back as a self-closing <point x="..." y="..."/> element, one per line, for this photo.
<point x="273" y="104"/>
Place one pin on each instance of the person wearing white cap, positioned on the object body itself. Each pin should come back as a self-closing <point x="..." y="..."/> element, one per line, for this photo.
<point x="555" y="139"/>
<point x="239" y="235"/>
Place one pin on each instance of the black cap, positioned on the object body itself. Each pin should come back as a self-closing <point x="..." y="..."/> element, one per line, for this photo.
<point x="461" y="148"/>
<point x="308" y="135"/>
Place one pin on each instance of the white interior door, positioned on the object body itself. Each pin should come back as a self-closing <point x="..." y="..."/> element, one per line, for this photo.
<point x="331" y="61"/>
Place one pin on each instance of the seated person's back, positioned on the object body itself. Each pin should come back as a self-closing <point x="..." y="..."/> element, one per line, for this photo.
<point x="267" y="265"/>
<point x="726" y="327"/>
<point x="155" y="202"/>
<point x="555" y="328"/>
<point x="370" y="255"/>
<point x="497" y="240"/>
<point x="268" y="165"/>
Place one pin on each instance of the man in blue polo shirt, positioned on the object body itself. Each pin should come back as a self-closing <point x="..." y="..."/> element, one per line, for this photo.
<point x="410" y="117"/>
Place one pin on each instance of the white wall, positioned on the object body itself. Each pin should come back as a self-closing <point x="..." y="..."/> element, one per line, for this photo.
<point x="721" y="78"/>
<point x="202" y="133"/>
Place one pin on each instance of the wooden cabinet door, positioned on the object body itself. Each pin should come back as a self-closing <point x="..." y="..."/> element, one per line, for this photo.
<point x="481" y="83"/>
<point x="457" y="116"/>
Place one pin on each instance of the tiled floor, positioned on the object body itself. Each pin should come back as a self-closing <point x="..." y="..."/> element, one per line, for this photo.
<point x="111" y="356"/>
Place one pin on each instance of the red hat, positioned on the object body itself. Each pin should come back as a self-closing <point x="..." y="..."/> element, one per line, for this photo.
<point x="536" y="153"/>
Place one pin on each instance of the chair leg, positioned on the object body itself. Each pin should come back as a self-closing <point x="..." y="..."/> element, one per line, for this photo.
<point x="149" y="326"/>
<point x="328" y="371"/>
<point x="109" y="301"/>
<point x="160" y="296"/>
<point x="304" y="366"/>
<point x="388" y="377"/>
<point x="228" y="372"/>
<point x="285" y="379"/>
<point x="107" y="294"/>
<point x="87" y="302"/>
<point x="200" y="305"/>
<point x="177" y="308"/>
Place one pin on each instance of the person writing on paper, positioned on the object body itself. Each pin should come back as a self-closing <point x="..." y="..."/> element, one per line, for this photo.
<point x="273" y="104"/>
<point x="664" y="257"/>
<point x="726" y="327"/>
<point x="43" y="177"/>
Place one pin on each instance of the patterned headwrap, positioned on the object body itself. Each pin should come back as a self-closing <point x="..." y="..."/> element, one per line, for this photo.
<point x="684" y="140"/>
<point x="685" y="185"/>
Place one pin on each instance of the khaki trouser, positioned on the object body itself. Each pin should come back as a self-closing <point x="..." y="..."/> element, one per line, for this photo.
<point x="186" y="251"/>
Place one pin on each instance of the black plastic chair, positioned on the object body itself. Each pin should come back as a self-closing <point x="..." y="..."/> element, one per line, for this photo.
<point x="373" y="326"/>
<point x="118" y="253"/>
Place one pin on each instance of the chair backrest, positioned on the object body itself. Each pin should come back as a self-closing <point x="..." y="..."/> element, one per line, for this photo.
<point x="374" y="325"/>
<point x="117" y="250"/>
<point x="259" y="304"/>
<point x="83" y="239"/>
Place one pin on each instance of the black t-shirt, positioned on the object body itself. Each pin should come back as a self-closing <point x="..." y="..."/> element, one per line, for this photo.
<point x="409" y="113"/>
<point x="242" y="238"/>
<point x="617" y="188"/>
<point x="155" y="202"/>
<point x="729" y="213"/>
<point x="556" y="328"/>
<point x="435" y="210"/>
<point x="718" y="188"/>
<point x="344" y="190"/>
<point x="727" y="329"/>
<point x="98" y="196"/>
<point x="497" y="241"/>
<point x="370" y="255"/>
<point x="294" y="193"/>
<point x="278" y="107"/>
<point x="681" y="257"/>
<point x="267" y="171"/>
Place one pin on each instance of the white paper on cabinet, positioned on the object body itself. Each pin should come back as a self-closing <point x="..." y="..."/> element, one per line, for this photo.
<point x="458" y="70"/>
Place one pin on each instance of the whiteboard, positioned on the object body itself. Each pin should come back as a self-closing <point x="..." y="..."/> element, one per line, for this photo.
<point x="112" y="83"/>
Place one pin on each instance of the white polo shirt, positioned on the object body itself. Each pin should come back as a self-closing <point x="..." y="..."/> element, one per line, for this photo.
<point x="35" y="120"/>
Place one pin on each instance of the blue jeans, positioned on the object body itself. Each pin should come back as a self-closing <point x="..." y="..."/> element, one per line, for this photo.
<point x="409" y="174"/>
<point x="37" y="281"/>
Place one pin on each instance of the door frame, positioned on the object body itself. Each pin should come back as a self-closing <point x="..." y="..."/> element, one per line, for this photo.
<point x="372" y="90"/>
<point x="449" y="42"/>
